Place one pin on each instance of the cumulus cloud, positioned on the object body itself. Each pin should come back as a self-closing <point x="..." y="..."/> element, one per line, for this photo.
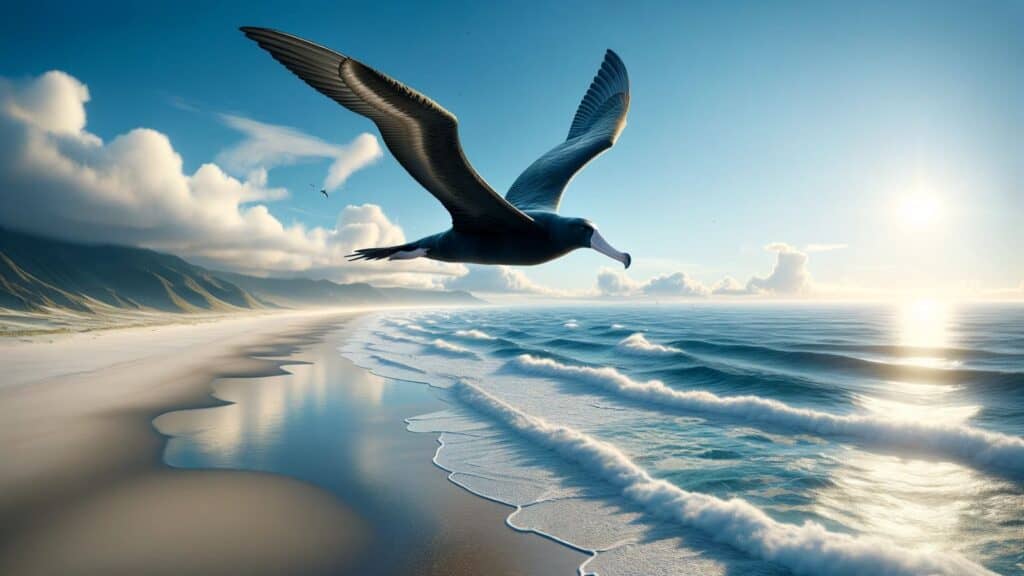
<point x="677" y="284"/>
<point x="58" y="179"/>
<point x="728" y="286"/>
<point x="789" y="276"/>
<point x="269" y="145"/>
<point x="612" y="282"/>
<point x="499" y="280"/>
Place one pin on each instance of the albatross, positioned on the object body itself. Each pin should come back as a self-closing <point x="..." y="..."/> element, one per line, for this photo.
<point x="521" y="228"/>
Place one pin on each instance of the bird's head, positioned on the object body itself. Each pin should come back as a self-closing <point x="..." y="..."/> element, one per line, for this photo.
<point x="581" y="233"/>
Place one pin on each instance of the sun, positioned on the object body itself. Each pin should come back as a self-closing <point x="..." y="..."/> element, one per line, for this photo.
<point x="919" y="210"/>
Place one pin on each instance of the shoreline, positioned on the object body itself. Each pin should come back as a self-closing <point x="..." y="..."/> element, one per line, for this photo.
<point x="91" y="493"/>
<point x="346" y="432"/>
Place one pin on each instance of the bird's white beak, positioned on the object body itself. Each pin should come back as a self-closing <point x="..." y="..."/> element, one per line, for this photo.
<point x="597" y="242"/>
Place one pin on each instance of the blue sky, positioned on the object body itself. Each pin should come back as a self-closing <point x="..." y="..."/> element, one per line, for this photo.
<point x="805" y="123"/>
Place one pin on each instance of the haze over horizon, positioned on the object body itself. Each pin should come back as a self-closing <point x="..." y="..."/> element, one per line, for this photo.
<point x="877" y="155"/>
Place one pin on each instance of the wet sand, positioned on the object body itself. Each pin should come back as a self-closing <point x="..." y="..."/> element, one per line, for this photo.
<point x="335" y="425"/>
<point x="84" y="490"/>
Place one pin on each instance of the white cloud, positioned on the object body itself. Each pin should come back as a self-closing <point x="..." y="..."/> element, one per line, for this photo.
<point x="269" y="145"/>
<point x="728" y="286"/>
<point x="500" y="280"/>
<point x="58" y="179"/>
<point x="789" y="276"/>
<point x="53" y="102"/>
<point x="677" y="284"/>
<point x="257" y="190"/>
<point x="612" y="282"/>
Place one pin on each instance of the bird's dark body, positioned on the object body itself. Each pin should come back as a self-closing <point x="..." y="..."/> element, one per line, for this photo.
<point x="556" y="236"/>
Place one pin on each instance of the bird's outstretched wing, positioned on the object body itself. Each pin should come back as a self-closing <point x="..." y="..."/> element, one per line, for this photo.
<point x="422" y="135"/>
<point x="598" y="122"/>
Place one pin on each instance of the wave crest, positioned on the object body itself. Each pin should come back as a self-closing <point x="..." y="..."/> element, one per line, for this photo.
<point x="474" y="334"/>
<point x="448" y="349"/>
<point x="980" y="448"/>
<point x="804" y="549"/>
<point x="639" y="345"/>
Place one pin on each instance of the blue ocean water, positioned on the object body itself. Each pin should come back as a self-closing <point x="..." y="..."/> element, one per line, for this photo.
<point x="745" y="439"/>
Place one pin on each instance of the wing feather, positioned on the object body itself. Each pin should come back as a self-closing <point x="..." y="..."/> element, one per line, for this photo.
<point x="599" y="120"/>
<point x="421" y="134"/>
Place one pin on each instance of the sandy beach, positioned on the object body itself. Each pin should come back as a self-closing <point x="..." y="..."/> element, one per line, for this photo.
<point x="84" y="488"/>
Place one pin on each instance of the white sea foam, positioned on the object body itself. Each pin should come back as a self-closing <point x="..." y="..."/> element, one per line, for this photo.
<point x="475" y="334"/>
<point x="445" y="347"/>
<point x="639" y="345"/>
<point x="415" y="328"/>
<point x="804" y="549"/>
<point x="980" y="448"/>
<point x="571" y="324"/>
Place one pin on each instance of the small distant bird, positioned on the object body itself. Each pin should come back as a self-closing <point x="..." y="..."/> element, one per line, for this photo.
<point x="322" y="191"/>
<point x="522" y="228"/>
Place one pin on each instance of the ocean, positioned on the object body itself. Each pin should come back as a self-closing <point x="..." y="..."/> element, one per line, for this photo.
<point x="729" y="439"/>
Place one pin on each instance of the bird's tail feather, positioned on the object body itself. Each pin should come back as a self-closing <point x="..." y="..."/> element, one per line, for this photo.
<point x="378" y="253"/>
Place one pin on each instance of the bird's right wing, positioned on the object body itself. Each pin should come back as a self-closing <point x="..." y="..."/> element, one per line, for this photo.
<point x="422" y="135"/>
<point x="599" y="120"/>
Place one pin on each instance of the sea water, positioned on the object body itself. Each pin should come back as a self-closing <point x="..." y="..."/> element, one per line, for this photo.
<point x="743" y="439"/>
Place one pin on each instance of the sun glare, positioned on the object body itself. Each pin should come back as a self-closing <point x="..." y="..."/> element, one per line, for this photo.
<point x="919" y="210"/>
<point x="925" y="323"/>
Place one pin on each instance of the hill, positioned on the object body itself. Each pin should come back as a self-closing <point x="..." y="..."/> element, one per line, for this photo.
<point x="39" y="274"/>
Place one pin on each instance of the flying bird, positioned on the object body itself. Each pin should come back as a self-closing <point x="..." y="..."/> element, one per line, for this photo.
<point x="324" y="192"/>
<point x="524" y="227"/>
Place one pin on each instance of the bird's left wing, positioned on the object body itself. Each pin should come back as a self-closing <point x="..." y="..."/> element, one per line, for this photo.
<point x="599" y="120"/>
<point x="421" y="135"/>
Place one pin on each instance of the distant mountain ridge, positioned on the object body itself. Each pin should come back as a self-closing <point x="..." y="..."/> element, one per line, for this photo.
<point x="39" y="273"/>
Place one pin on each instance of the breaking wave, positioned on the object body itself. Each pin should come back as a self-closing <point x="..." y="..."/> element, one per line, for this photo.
<point x="980" y="448"/>
<point x="638" y="344"/>
<point x="446" y="348"/>
<point x="808" y="548"/>
<point x="474" y="334"/>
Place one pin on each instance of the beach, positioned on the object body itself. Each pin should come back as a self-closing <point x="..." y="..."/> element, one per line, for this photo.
<point x="85" y="490"/>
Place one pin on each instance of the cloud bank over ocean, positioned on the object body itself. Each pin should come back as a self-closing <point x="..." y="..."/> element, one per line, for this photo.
<point x="789" y="276"/>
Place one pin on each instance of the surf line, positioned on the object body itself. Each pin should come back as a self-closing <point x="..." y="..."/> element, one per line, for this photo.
<point x="999" y="453"/>
<point x="808" y="548"/>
